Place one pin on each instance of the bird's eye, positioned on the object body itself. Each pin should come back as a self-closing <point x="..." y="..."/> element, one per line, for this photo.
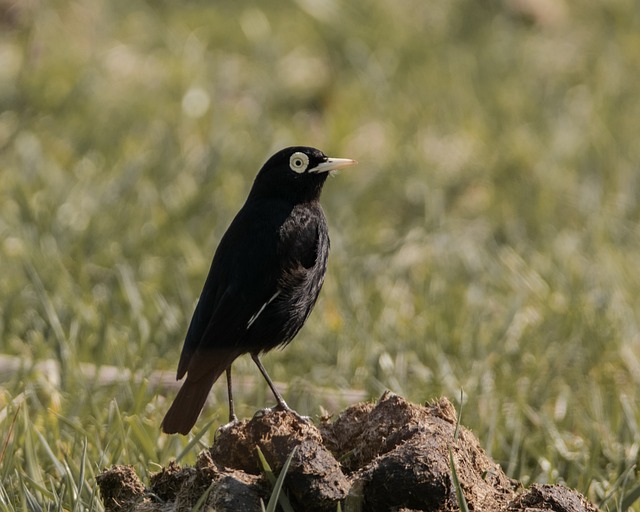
<point x="299" y="162"/>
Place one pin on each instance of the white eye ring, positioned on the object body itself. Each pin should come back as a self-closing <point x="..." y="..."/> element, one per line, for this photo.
<point x="299" y="162"/>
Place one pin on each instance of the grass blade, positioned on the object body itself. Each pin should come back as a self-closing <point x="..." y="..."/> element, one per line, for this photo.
<point x="52" y="457"/>
<point x="276" y="494"/>
<point x="9" y="434"/>
<point x="462" y="501"/>
<point x="630" y="499"/>
<point x="194" y="441"/>
<point x="202" y="499"/>
<point x="459" y="418"/>
<point x="266" y="468"/>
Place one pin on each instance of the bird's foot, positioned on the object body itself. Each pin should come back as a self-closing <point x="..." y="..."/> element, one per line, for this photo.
<point x="233" y="421"/>
<point x="282" y="406"/>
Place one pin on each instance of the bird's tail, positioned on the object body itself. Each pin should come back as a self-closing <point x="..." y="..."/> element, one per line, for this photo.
<point x="185" y="409"/>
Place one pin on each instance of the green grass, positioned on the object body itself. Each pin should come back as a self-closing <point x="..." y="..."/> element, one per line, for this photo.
<point x="488" y="241"/>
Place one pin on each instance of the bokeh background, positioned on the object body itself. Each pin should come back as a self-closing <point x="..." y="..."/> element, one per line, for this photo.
<point x="487" y="245"/>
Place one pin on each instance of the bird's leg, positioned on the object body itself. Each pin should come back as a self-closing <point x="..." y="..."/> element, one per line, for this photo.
<point x="232" y="413"/>
<point x="281" y="403"/>
<point x="233" y="419"/>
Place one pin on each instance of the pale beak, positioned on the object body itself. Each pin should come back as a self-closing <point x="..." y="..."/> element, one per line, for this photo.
<point x="333" y="164"/>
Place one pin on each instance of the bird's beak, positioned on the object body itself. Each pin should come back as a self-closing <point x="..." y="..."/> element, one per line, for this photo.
<point x="333" y="164"/>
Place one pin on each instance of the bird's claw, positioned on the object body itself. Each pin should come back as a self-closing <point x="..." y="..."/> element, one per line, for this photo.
<point x="233" y="421"/>
<point x="282" y="407"/>
<point x="302" y="418"/>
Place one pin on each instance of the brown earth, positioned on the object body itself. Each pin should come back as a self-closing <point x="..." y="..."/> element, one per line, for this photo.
<point x="388" y="456"/>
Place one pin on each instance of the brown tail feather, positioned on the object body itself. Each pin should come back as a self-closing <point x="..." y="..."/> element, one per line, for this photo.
<point x="185" y="409"/>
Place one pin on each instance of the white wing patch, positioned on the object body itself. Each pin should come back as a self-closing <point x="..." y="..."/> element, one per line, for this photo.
<point x="255" y="317"/>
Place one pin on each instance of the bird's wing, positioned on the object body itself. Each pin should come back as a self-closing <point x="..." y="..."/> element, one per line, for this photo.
<point x="242" y="280"/>
<point x="199" y="320"/>
<point x="302" y="238"/>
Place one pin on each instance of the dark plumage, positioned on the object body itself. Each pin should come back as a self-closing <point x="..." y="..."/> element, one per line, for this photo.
<point x="264" y="279"/>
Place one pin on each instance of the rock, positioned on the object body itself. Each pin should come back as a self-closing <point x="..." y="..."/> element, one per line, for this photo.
<point x="120" y="488"/>
<point x="314" y="479"/>
<point x="550" y="497"/>
<point x="403" y="452"/>
<point x="391" y="456"/>
<point x="227" y="490"/>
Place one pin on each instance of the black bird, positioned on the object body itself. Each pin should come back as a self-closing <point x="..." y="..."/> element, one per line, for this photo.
<point x="263" y="282"/>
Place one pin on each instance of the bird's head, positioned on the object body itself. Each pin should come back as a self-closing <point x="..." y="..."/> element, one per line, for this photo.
<point x="296" y="173"/>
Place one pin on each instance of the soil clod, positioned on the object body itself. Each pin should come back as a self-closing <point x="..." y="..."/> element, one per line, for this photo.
<point x="389" y="456"/>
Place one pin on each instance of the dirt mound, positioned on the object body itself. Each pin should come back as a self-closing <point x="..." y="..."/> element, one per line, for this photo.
<point x="388" y="456"/>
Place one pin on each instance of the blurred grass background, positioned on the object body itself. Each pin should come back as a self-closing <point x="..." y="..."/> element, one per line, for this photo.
<point x="487" y="242"/>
